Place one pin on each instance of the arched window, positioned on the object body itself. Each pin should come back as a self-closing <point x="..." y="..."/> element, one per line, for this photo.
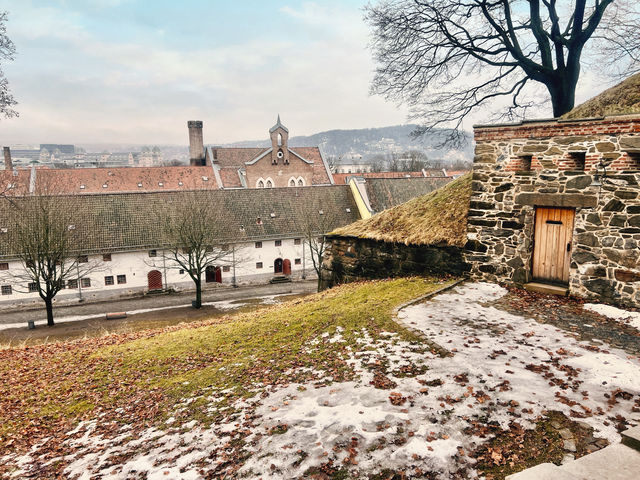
<point x="269" y="183"/>
<point x="292" y="182"/>
<point x="300" y="182"/>
<point x="279" y="139"/>
<point x="260" y="184"/>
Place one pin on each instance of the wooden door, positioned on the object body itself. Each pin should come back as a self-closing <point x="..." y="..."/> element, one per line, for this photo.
<point x="552" y="245"/>
<point x="154" y="278"/>
<point x="210" y="274"/>
<point x="286" y="266"/>
<point x="277" y="266"/>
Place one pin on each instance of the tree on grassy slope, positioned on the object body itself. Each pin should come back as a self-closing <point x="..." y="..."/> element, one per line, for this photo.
<point x="192" y="229"/>
<point x="446" y="58"/>
<point x="47" y="232"/>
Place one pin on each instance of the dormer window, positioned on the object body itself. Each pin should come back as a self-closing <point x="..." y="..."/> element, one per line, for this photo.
<point x="82" y="187"/>
<point x="104" y="185"/>
<point x="205" y="179"/>
<point x="180" y="184"/>
<point x="140" y="185"/>
<point x="160" y="184"/>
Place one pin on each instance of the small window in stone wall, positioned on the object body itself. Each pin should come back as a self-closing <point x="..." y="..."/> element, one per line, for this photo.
<point x="578" y="160"/>
<point x="634" y="160"/>
<point x="525" y="163"/>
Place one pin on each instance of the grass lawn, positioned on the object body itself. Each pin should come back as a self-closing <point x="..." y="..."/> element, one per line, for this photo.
<point x="139" y="378"/>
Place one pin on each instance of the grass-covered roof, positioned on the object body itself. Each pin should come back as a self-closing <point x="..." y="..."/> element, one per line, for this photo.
<point x="437" y="218"/>
<point x="621" y="99"/>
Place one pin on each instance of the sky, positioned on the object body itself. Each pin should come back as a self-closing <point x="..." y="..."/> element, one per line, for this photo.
<point x="134" y="72"/>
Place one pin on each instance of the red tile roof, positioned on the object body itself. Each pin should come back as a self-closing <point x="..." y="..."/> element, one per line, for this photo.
<point x="127" y="179"/>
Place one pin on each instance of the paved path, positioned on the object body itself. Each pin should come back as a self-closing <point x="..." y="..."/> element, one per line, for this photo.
<point x="156" y="301"/>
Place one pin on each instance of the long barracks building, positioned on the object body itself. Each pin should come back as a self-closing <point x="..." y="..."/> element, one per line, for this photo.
<point x="266" y="198"/>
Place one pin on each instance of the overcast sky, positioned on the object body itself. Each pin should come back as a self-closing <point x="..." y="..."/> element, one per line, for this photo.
<point x="126" y="71"/>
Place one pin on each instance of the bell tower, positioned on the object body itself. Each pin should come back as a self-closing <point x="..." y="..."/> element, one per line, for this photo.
<point x="279" y="143"/>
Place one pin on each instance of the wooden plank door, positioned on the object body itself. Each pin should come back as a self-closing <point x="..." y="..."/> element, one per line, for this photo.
<point x="552" y="245"/>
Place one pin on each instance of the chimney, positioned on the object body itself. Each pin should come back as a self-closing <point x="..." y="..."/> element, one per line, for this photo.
<point x="8" y="164"/>
<point x="196" y="145"/>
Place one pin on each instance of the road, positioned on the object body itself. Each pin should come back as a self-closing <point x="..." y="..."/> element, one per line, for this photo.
<point x="79" y="311"/>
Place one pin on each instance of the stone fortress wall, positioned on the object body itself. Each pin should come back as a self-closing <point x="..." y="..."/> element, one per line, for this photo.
<point x="553" y="164"/>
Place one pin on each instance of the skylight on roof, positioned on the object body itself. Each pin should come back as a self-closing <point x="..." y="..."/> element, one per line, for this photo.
<point x="4" y="229"/>
<point x="273" y="215"/>
<point x="160" y="184"/>
<point x="180" y="183"/>
<point x="104" y="185"/>
<point x="206" y="179"/>
<point x="139" y="184"/>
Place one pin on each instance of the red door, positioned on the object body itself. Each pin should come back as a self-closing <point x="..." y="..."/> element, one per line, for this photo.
<point x="154" y="278"/>
<point x="218" y="275"/>
<point x="286" y="266"/>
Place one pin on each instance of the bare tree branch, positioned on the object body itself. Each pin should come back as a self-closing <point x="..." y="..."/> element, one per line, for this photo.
<point x="446" y="58"/>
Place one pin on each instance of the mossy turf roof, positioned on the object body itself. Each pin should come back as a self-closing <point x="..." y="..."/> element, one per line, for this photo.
<point x="621" y="99"/>
<point x="437" y="218"/>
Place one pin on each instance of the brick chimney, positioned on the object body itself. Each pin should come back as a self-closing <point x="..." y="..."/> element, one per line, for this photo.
<point x="8" y="164"/>
<point x="196" y="145"/>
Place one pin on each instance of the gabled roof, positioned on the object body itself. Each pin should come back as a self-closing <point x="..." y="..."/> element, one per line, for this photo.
<point x="128" y="221"/>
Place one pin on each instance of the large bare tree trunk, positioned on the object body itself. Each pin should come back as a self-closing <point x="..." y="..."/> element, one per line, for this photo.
<point x="198" y="303"/>
<point x="49" y="305"/>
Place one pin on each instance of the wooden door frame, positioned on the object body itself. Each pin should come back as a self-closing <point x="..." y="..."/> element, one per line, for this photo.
<point x="535" y="240"/>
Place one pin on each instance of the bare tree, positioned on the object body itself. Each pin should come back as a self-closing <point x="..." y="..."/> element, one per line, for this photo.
<point x="377" y="163"/>
<point x="7" y="53"/>
<point x="46" y="233"/>
<point x="445" y="58"/>
<point x="317" y="222"/>
<point x="194" y="235"/>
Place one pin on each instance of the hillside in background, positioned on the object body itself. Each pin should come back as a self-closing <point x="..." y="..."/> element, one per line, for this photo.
<point x="365" y="142"/>
<point x="370" y="142"/>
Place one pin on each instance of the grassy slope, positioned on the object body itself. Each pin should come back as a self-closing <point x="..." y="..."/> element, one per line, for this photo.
<point x="48" y="388"/>
<point x="621" y="99"/>
<point x="439" y="217"/>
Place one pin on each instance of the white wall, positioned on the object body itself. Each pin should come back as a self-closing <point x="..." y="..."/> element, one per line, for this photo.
<point x="135" y="265"/>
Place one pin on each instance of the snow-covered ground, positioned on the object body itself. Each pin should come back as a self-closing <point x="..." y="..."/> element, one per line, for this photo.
<point x="631" y="318"/>
<point x="503" y="368"/>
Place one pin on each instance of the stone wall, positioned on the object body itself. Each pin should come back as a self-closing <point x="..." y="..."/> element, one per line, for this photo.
<point x="349" y="259"/>
<point x="553" y="163"/>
